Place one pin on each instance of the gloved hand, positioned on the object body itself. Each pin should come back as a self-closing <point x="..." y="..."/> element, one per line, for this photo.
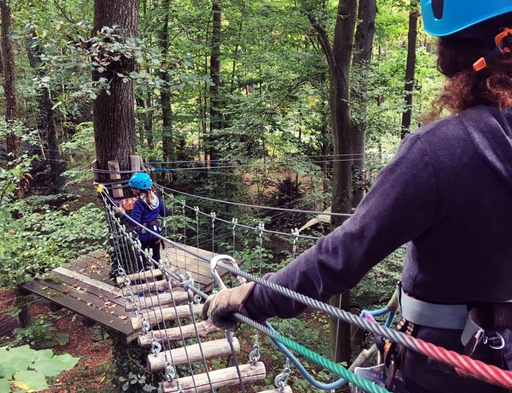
<point x="221" y="306"/>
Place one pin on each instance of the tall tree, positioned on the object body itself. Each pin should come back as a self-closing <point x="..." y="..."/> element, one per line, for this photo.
<point x="338" y="57"/>
<point x="168" y="140"/>
<point x="363" y="46"/>
<point x="113" y="108"/>
<point x="46" y="120"/>
<point x="11" y="101"/>
<point x="410" y="67"/>
<point x="215" y="102"/>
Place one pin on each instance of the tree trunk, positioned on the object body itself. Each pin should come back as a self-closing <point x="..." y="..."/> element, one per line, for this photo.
<point x="145" y="119"/>
<point x="168" y="140"/>
<point x="11" y="103"/>
<point x="215" y="115"/>
<point x="338" y="58"/>
<point x="114" y="113"/>
<point x="46" y="122"/>
<point x="410" y="68"/>
<point x="363" y="46"/>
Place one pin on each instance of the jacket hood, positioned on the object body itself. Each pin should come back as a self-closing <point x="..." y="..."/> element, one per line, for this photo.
<point x="491" y="131"/>
<point x="154" y="204"/>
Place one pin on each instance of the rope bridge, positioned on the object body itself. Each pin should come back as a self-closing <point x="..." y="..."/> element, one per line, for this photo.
<point x="166" y="297"/>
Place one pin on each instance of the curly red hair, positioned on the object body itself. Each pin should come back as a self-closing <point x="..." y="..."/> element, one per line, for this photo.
<point x="465" y="87"/>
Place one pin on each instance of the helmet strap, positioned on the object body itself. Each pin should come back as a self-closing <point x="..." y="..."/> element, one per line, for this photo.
<point x="503" y="43"/>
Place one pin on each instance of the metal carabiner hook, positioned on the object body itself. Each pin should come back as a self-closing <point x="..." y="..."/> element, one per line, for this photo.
<point x="213" y="268"/>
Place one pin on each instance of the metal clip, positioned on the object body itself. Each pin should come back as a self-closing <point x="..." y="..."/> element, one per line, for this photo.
<point x="156" y="348"/>
<point x="170" y="372"/>
<point x="254" y="355"/>
<point x="495" y="342"/>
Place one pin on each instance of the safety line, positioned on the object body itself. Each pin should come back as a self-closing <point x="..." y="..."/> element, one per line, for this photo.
<point x="463" y="365"/>
<point x="363" y="383"/>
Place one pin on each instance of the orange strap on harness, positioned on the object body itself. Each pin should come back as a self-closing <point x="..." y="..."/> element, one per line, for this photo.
<point x="503" y="44"/>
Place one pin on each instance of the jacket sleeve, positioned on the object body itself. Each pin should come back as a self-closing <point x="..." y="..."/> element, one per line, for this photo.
<point x="400" y="206"/>
<point x="135" y="215"/>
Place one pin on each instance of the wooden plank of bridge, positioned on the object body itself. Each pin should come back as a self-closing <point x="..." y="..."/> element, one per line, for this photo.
<point x="193" y="353"/>
<point x="202" y="329"/>
<point x="177" y="296"/>
<point x="165" y="314"/>
<point x="216" y="379"/>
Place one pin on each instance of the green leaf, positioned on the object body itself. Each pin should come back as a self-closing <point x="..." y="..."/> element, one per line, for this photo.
<point x="5" y="385"/>
<point x="30" y="380"/>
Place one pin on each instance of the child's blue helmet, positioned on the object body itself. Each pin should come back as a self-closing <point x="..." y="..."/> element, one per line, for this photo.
<point x="445" y="17"/>
<point x="140" y="180"/>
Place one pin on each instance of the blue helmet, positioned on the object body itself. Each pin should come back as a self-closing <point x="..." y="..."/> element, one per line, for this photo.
<point x="445" y="17"/>
<point x="140" y="180"/>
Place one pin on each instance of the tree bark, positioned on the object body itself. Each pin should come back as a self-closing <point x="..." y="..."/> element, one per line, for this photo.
<point x="11" y="103"/>
<point x="215" y="115"/>
<point x="410" y="68"/>
<point x="168" y="140"/>
<point x="338" y="59"/>
<point x="46" y="121"/>
<point x="363" y="46"/>
<point x="114" y="112"/>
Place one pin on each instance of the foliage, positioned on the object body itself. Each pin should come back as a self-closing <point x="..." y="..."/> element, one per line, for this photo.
<point x="40" y="334"/>
<point x="35" y="238"/>
<point x="23" y="369"/>
<point x="132" y="373"/>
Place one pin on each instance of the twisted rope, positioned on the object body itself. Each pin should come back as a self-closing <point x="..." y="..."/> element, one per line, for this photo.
<point x="462" y="365"/>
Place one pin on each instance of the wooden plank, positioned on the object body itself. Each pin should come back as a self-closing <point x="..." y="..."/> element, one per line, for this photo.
<point x="147" y="275"/>
<point x="106" y="319"/>
<point x="165" y="314"/>
<point x="219" y="378"/>
<point x="202" y="329"/>
<point x="150" y="287"/>
<point x="94" y="167"/>
<point x="193" y="353"/>
<point x="117" y="189"/>
<point x="91" y="281"/>
<point x="94" y="265"/>
<point x="97" y="299"/>
<point x="177" y="296"/>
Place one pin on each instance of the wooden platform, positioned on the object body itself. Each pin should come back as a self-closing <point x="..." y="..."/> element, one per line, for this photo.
<point x="85" y="288"/>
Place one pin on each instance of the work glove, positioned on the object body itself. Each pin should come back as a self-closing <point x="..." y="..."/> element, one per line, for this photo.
<point x="221" y="306"/>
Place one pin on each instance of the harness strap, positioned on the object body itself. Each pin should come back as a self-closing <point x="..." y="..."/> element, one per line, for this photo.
<point x="487" y="317"/>
<point x="443" y="316"/>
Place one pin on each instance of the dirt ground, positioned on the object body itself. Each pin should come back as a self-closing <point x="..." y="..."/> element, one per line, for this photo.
<point x="68" y="334"/>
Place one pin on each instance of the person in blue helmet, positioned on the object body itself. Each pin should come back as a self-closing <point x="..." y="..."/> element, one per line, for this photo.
<point x="447" y="193"/>
<point x="146" y="210"/>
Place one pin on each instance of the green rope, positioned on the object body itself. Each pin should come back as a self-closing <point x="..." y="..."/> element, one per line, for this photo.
<point x="360" y="382"/>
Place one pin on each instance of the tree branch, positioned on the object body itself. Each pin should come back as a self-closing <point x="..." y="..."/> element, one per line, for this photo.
<point x="323" y="39"/>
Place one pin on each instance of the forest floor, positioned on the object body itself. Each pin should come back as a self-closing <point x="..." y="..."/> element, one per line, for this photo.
<point x="63" y="332"/>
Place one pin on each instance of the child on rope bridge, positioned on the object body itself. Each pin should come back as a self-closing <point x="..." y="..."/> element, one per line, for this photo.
<point x="448" y="194"/>
<point x="146" y="210"/>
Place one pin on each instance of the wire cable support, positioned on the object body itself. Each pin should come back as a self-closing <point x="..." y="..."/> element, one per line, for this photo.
<point x="462" y="365"/>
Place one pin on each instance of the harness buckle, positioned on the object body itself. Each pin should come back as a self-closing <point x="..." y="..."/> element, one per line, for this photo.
<point x="495" y="341"/>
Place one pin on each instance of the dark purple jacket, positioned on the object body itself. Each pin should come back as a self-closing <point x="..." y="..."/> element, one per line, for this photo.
<point x="147" y="214"/>
<point x="448" y="194"/>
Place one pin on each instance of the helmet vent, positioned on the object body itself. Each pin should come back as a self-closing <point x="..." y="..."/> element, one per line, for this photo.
<point x="438" y="7"/>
